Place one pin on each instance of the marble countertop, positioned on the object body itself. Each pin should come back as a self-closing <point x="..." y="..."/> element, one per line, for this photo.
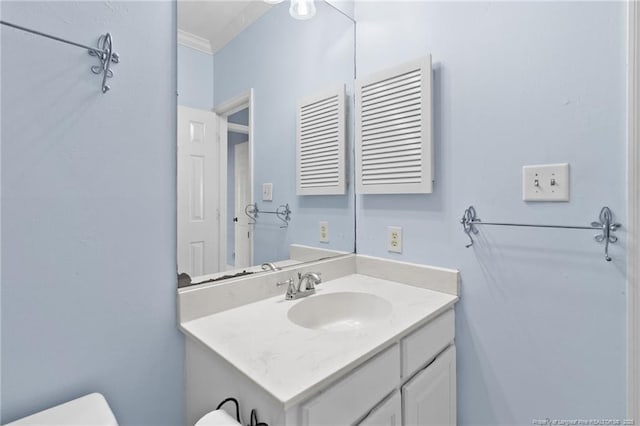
<point x="291" y="362"/>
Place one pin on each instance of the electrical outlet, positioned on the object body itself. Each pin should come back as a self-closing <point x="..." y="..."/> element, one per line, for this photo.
<point x="324" y="232"/>
<point x="394" y="239"/>
<point x="267" y="192"/>
<point x="547" y="182"/>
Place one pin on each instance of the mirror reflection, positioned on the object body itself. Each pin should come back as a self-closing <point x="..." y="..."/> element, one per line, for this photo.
<point x="247" y="133"/>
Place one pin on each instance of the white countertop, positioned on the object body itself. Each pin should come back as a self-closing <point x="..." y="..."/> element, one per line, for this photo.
<point x="292" y="362"/>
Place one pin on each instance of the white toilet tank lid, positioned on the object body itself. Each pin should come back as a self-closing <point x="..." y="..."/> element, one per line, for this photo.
<point x="90" y="409"/>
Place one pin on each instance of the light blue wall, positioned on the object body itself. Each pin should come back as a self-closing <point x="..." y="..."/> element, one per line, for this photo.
<point x="195" y="78"/>
<point x="284" y="61"/>
<point x="88" y="213"/>
<point x="540" y="327"/>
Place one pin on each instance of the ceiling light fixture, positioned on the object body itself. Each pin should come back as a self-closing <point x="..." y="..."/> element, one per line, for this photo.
<point x="299" y="9"/>
<point x="302" y="9"/>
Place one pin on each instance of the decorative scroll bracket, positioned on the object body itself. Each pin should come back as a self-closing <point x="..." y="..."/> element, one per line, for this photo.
<point x="468" y="222"/>
<point x="605" y="224"/>
<point x="104" y="51"/>
<point x="106" y="55"/>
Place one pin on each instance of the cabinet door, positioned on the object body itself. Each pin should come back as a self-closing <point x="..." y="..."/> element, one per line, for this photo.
<point x="429" y="399"/>
<point x="389" y="413"/>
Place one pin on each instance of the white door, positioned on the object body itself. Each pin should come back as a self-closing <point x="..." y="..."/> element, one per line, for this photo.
<point x="242" y="179"/>
<point x="429" y="399"/>
<point x="389" y="413"/>
<point x="198" y="192"/>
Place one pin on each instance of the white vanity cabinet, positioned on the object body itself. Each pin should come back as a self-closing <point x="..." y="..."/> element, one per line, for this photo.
<point x="395" y="368"/>
<point x="412" y="383"/>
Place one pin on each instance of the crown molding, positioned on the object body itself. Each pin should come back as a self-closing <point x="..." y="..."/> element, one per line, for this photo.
<point x="195" y="42"/>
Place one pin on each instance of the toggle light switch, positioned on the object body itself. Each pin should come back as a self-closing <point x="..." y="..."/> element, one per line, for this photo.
<point x="547" y="182"/>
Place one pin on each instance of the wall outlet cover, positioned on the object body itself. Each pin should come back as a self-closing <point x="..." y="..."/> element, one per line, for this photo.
<point x="394" y="239"/>
<point x="545" y="182"/>
<point x="267" y="192"/>
<point x="324" y="232"/>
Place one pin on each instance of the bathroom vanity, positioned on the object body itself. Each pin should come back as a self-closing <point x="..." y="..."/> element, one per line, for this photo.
<point x="373" y="346"/>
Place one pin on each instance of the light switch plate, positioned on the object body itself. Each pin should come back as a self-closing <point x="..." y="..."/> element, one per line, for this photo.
<point x="267" y="192"/>
<point x="324" y="232"/>
<point x="394" y="239"/>
<point x="545" y="182"/>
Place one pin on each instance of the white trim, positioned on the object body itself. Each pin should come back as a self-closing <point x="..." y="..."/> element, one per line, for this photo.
<point x="222" y="189"/>
<point x="633" y="259"/>
<point x="195" y="42"/>
<point x="235" y="104"/>
<point x="224" y="110"/>
<point x="251" y="164"/>
<point x="238" y="128"/>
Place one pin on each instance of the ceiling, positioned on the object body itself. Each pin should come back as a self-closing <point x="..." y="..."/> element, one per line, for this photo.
<point x="218" y="21"/>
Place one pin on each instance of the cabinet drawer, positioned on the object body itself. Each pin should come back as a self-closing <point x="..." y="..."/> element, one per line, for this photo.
<point x="350" y="398"/>
<point x="423" y="345"/>
<point x="388" y="413"/>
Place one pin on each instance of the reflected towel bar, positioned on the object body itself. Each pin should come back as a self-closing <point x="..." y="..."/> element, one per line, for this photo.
<point x="283" y="212"/>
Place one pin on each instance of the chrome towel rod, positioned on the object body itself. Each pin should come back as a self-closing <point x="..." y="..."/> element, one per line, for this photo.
<point x="283" y="212"/>
<point x="104" y="51"/>
<point x="605" y="225"/>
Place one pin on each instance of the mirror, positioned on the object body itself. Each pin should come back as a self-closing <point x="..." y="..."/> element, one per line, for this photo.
<point x="243" y="69"/>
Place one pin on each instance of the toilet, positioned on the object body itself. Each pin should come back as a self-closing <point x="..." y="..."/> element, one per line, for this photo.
<point x="94" y="410"/>
<point x="91" y="409"/>
<point x="217" y="418"/>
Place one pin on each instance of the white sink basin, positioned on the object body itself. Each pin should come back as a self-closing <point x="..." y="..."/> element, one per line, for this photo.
<point x="339" y="311"/>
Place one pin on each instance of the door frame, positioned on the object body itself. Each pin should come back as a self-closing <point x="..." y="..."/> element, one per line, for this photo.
<point x="224" y="110"/>
<point x="633" y="187"/>
<point x="239" y="236"/>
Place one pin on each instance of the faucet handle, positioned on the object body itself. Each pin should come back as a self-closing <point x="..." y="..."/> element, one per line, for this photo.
<point x="291" y="288"/>
<point x="286" y="282"/>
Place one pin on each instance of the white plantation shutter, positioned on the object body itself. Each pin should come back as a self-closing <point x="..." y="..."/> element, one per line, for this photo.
<point x="320" y="148"/>
<point x="394" y="147"/>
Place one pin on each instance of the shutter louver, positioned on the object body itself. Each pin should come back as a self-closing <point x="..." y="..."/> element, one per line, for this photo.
<point x="393" y="130"/>
<point x="320" y="162"/>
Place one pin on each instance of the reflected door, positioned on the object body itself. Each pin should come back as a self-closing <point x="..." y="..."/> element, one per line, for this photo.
<point x="198" y="195"/>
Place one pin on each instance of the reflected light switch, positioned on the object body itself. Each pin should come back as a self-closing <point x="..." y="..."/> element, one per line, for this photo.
<point x="267" y="192"/>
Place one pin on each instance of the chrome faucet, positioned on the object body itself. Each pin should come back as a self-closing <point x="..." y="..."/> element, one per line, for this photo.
<point x="269" y="266"/>
<point x="311" y="280"/>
